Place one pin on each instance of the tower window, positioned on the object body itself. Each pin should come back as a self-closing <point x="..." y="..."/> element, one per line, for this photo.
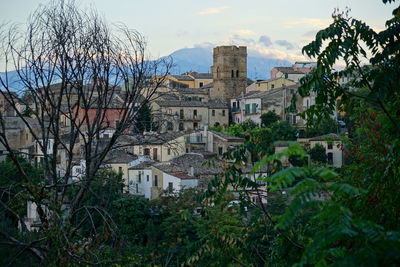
<point x="232" y="74"/>
<point x="237" y="73"/>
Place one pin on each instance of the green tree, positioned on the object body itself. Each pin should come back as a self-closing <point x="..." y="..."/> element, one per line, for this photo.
<point x="144" y="119"/>
<point x="318" y="153"/>
<point x="268" y="118"/>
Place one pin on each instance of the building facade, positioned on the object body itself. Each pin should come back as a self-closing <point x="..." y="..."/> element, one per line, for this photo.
<point x="229" y="72"/>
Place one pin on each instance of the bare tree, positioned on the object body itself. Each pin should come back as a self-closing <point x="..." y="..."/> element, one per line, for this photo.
<point x="81" y="78"/>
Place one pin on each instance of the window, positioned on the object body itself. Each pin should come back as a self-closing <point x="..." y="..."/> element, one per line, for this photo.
<point x="232" y="74"/>
<point x="106" y="136"/>
<point x="223" y="112"/>
<point x="330" y="158"/>
<point x="155" y="180"/>
<point x="117" y="124"/>
<point x="137" y="188"/>
<point x="294" y="119"/>
<point x="213" y="112"/>
<point x="154" y="153"/>
<point x="220" y="150"/>
<point x="272" y="86"/>
<point x="181" y="114"/>
<point x="201" y="84"/>
<point x="148" y="177"/>
<point x="286" y="75"/>
<point x="147" y="151"/>
<point x="170" y="187"/>
<point x="140" y="178"/>
<point x="254" y="108"/>
<point x="195" y="125"/>
<point x="169" y="151"/>
<point x="247" y="109"/>
<point x="120" y="170"/>
<point x="308" y="103"/>
<point x="181" y="128"/>
<point x="170" y="126"/>
<point x="237" y="73"/>
<point x="195" y="113"/>
<point x="330" y="145"/>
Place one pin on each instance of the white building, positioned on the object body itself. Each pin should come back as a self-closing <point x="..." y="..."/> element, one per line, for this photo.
<point x="140" y="177"/>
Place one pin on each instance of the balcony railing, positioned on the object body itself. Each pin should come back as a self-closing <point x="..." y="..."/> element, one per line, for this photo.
<point x="190" y="118"/>
<point x="235" y="109"/>
<point x="196" y="140"/>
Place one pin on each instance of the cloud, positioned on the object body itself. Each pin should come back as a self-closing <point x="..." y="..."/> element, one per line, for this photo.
<point x="212" y="10"/>
<point x="243" y="33"/>
<point x="307" y="22"/>
<point x="286" y="44"/>
<point x="265" y="40"/>
<point x="310" y="33"/>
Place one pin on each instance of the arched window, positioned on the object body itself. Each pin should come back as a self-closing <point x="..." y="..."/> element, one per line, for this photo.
<point x="217" y="72"/>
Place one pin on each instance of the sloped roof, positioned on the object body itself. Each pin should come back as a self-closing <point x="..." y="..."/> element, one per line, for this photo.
<point x="183" y="77"/>
<point x="197" y="91"/>
<point x="119" y="156"/>
<point x="331" y="136"/>
<point x="199" y="75"/>
<point x="228" y="137"/>
<point x="288" y="70"/>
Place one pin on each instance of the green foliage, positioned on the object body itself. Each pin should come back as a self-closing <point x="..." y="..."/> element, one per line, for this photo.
<point x="144" y="119"/>
<point x="318" y="153"/>
<point x="268" y="118"/>
<point x="282" y="130"/>
<point x="322" y="127"/>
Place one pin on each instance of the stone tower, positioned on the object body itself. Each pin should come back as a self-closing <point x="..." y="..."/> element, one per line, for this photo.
<point x="229" y="72"/>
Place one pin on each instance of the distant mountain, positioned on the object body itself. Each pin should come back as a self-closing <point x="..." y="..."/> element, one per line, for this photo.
<point x="200" y="60"/>
<point x="195" y="59"/>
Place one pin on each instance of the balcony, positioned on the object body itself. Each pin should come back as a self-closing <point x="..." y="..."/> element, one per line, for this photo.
<point x="190" y="118"/>
<point x="196" y="140"/>
<point x="235" y="110"/>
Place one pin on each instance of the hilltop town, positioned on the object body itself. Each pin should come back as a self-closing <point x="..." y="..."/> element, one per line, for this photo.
<point x="108" y="157"/>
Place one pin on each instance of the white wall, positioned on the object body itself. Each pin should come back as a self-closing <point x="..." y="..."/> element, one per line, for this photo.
<point x="144" y="186"/>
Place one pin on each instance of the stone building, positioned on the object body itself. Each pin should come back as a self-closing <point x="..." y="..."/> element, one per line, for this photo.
<point x="229" y="72"/>
<point x="182" y="115"/>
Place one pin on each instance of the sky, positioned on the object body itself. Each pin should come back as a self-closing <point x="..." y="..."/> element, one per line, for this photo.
<point x="273" y="28"/>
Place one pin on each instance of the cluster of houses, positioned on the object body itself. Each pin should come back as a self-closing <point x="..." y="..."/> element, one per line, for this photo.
<point x="180" y="153"/>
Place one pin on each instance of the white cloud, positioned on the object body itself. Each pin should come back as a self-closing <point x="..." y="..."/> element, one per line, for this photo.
<point x="243" y="33"/>
<point x="307" y="22"/>
<point x="213" y="10"/>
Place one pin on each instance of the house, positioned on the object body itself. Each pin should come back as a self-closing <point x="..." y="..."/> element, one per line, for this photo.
<point x="252" y="105"/>
<point x="333" y="147"/>
<point x="186" y="171"/>
<point x="265" y="85"/>
<point x="158" y="147"/>
<point x="287" y="73"/>
<point x="140" y="176"/>
<point x="118" y="160"/>
<point x="183" y="115"/>
<point x="111" y="114"/>
<point x="220" y="143"/>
